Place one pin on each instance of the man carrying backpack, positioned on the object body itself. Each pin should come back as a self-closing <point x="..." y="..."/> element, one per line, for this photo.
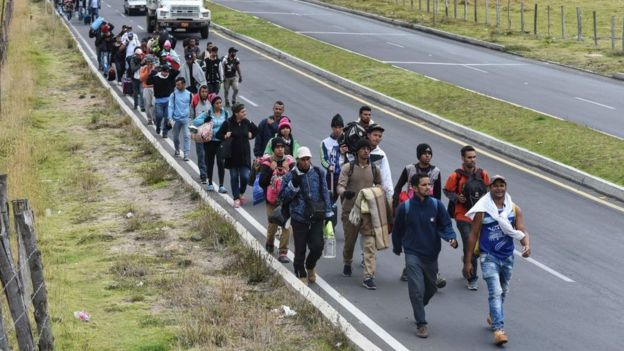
<point x="231" y="67"/>
<point x="272" y="170"/>
<point x="355" y="176"/>
<point x="464" y="187"/>
<point x="179" y="112"/>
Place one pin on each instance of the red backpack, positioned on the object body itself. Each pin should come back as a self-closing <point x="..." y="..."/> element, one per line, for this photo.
<point x="275" y="186"/>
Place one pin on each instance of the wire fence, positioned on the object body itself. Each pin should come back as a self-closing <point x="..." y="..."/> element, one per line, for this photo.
<point x="561" y="22"/>
<point x="6" y="13"/>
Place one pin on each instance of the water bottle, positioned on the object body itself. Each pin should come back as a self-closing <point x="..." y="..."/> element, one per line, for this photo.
<point x="329" y="250"/>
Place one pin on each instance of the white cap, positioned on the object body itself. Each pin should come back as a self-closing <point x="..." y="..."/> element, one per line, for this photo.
<point x="303" y="152"/>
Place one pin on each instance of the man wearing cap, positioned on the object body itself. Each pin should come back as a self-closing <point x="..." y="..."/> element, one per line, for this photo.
<point x="134" y="72"/>
<point x="424" y="154"/>
<point x="163" y="80"/>
<point x="496" y="221"/>
<point x="305" y="191"/>
<point x="214" y="72"/>
<point x="378" y="157"/>
<point x="192" y="73"/>
<point x="146" y="70"/>
<point x="330" y="155"/>
<point x="179" y="113"/>
<point x="272" y="168"/>
<point x="355" y="176"/>
<point x="130" y="41"/>
<point x="419" y="226"/>
<point x="230" y="67"/>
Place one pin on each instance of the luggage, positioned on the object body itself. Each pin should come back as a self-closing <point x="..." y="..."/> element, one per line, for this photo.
<point x="127" y="86"/>
<point x="112" y="75"/>
<point x="97" y="23"/>
<point x="87" y="18"/>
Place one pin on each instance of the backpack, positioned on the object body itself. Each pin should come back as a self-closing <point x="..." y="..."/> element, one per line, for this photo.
<point x="275" y="186"/>
<point x="473" y="189"/>
<point x="352" y="166"/>
<point x="352" y="133"/>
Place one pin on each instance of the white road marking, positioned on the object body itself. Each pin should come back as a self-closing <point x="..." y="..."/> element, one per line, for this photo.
<point x="355" y="33"/>
<point x="107" y="5"/>
<point x="451" y="63"/>
<point x="595" y="103"/>
<point x="474" y="68"/>
<point x="545" y="267"/>
<point x="270" y="13"/>
<point x="395" y="44"/>
<point x="249" y="101"/>
<point x="139" y="26"/>
<point x="119" y="12"/>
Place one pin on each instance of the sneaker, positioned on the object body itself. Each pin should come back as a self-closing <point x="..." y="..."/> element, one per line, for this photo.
<point x="203" y="181"/>
<point x="346" y="270"/>
<point x="150" y="122"/>
<point x="269" y="247"/>
<point x="440" y="282"/>
<point x="164" y="136"/>
<point x="236" y="204"/>
<point x="283" y="258"/>
<point x="422" y="331"/>
<point x="186" y="158"/>
<point x="210" y="187"/>
<point x="222" y="190"/>
<point x="404" y="275"/>
<point x="473" y="285"/>
<point x="369" y="284"/>
<point x="176" y="153"/>
<point x="311" y="276"/>
<point x="500" y="337"/>
<point x="142" y="109"/>
<point x="304" y="280"/>
<point x="158" y="130"/>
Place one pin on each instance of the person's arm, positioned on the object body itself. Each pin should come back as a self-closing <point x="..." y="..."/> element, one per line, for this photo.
<point x="324" y="155"/>
<point x="265" y="176"/>
<point x="289" y="190"/>
<point x="253" y="129"/>
<point x="343" y="179"/>
<point x="386" y="177"/>
<point x="171" y="106"/>
<point x="526" y="246"/>
<point x="399" y="187"/>
<point x="258" y="150"/>
<point x="437" y="188"/>
<point x="225" y="127"/>
<point x="444" y="224"/>
<point x="199" y="76"/>
<point x="240" y="75"/>
<point x="329" y="212"/>
<point x="450" y="187"/>
<point x="398" y="230"/>
<point x="477" y="222"/>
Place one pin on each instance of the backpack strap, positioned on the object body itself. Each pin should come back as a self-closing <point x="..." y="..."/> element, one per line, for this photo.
<point x="407" y="206"/>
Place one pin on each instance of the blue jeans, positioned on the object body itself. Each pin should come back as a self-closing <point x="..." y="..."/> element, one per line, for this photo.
<point x="137" y="93"/>
<point x="421" y="280"/>
<point x="182" y="126"/>
<point x="201" y="160"/>
<point x="94" y="12"/>
<point x="239" y="177"/>
<point x="497" y="274"/>
<point x="464" y="230"/>
<point x="105" y="61"/>
<point x="160" y="116"/>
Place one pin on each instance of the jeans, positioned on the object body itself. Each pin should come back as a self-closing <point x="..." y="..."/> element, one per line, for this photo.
<point x="160" y="114"/>
<point x="464" y="230"/>
<point x="214" y="87"/>
<point x="201" y="160"/>
<point x="94" y="12"/>
<point x="239" y="177"/>
<point x="120" y="67"/>
<point x="497" y="274"/>
<point x="137" y="93"/>
<point x="182" y="126"/>
<point x="421" y="278"/>
<point x="308" y="235"/>
<point x="148" y="103"/>
<point x="212" y="151"/>
<point x="105" y="61"/>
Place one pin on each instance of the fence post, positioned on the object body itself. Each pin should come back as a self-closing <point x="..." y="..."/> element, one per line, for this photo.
<point x="476" y="6"/>
<point x="428" y="6"/>
<point x="455" y="9"/>
<point x="420" y="5"/>
<point x="522" y="17"/>
<point x="612" y="32"/>
<point x="548" y="20"/>
<point x="412" y="4"/>
<point x="595" y="28"/>
<point x="25" y="221"/>
<point x="14" y="293"/>
<point x="4" y="342"/>
<point x="508" y="14"/>
<point x="486" y="12"/>
<point x="497" y="13"/>
<point x="535" y="20"/>
<point x="435" y="11"/>
<point x="446" y="8"/>
<point x="579" y="25"/>
<point x="465" y="10"/>
<point x="562" y="23"/>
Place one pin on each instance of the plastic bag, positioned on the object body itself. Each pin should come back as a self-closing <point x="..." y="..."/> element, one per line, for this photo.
<point x="258" y="192"/>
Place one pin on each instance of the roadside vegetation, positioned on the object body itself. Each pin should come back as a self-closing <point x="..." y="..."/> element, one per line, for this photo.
<point x="122" y="237"/>
<point x="560" y="140"/>
<point x="548" y="44"/>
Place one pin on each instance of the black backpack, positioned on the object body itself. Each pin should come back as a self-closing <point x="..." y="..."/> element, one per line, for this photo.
<point x="352" y="133"/>
<point x="474" y="188"/>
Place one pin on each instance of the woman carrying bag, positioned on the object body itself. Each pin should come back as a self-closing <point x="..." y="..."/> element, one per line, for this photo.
<point x="236" y="133"/>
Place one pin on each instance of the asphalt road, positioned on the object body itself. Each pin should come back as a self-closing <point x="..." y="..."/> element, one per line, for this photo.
<point x="569" y="94"/>
<point x="577" y="237"/>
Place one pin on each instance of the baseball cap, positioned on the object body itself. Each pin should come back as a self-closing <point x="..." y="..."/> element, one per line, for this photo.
<point x="188" y="56"/>
<point x="497" y="177"/>
<point x="232" y="49"/>
<point x="303" y="152"/>
<point x="374" y="126"/>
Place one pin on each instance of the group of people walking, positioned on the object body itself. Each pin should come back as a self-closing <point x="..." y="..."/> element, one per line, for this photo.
<point x="182" y="98"/>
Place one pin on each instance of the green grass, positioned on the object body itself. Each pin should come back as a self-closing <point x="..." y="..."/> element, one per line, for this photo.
<point x="582" y="54"/>
<point x="560" y="140"/>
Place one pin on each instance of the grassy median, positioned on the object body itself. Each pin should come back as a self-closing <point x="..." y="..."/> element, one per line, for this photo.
<point x="560" y="140"/>
<point x="549" y="43"/>
<point x="121" y="235"/>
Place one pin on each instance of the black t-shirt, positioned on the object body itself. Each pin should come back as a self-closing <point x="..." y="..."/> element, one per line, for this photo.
<point x="229" y="66"/>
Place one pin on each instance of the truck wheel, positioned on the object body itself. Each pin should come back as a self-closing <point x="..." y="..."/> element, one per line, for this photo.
<point x="204" y="32"/>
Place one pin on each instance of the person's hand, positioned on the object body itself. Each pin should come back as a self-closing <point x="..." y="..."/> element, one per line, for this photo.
<point x="396" y="251"/>
<point x="331" y="169"/>
<point x="453" y="243"/>
<point x="273" y="165"/>
<point x="467" y="270"/>
<point x="249" y="135"/>
<point x="461" y="198"/>
<point x="296" y="180"/>
<point x="344" y="149"/>
<point x="227" y="135"/>
<point x="526" y="251"/>
<point x="349" y="194"/>
<point x="240" y="79"/>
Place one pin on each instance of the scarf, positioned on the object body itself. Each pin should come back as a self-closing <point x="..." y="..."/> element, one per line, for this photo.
<point x="486" y="204"/>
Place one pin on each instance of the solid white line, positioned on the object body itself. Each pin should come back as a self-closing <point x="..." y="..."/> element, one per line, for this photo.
<point x="474" y="68"/>
<point x="249" y="101"/>
<point x="107" y="5"/>
<point x="139" y="26"/>
<point x="395" y="44"/>
<point x="452" y="63"/>
<point x="595" y="103"/>
<point x="355" y="33"/>
<point x="270" y="13"/>
<point x="545" y="267"/>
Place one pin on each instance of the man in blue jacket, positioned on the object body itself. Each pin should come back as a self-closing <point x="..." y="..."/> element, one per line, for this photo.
<point x="419" y="225"/>
<point x="179" y="112"/>
<point x="304" y="190"/>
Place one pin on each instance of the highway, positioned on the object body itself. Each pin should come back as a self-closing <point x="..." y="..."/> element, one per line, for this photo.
<point x="568" y="298"/>
<point x="569" y="94"/>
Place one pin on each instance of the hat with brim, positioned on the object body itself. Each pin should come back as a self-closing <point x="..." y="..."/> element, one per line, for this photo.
<point x="303" y="152"/>
<point x="497" y="177"/>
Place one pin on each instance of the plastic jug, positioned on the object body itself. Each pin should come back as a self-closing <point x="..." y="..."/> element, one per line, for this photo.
<point x="329" y="250"/>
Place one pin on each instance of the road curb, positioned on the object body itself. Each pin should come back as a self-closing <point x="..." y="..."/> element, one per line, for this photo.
<point x="414" y="26"/>
<point x="520" y="154"/>
<point x="292" y="282"/>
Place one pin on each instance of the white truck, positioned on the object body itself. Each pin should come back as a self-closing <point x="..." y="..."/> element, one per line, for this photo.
<point x="190" y="15"/>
